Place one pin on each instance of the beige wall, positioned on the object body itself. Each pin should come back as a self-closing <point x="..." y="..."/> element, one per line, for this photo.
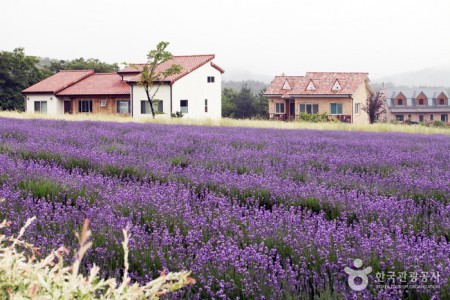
<point x="360" y="96"/>
<point x="273" y="101"/>
<point x="324" y="104"/>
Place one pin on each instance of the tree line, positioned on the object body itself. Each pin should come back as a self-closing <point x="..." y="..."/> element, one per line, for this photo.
<point x="19" y="71"/>
<point x="243" y="104"/>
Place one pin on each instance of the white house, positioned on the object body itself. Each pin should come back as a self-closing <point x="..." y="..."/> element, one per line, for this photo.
<point x="196" y="91"/>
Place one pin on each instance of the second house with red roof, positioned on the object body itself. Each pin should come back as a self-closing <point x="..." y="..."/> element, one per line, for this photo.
<point x="340" y="96"/>
<point x="196" y="91"/>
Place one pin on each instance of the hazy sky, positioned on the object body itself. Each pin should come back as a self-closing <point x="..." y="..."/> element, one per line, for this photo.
<point x="264" y="37"/>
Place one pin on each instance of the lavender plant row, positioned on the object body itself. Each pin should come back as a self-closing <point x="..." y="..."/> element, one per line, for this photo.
<point x="252" y="212"/>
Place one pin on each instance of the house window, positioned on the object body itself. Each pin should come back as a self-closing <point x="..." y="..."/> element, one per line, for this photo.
<point x="206" y="105"/>
<point x="400" y="102"/>
<point x="336" y="108"/>
<point x="421" y="102"/>
<point x="309" y="108"/>
<point x="444" y="118"/>
<point x="123" y="106"/>
<point x="279" y="108"/>
<point x="420" y="118"/>
<point x="441" y="101"/>
<point x="160" y="106"/>
<point x="211" y="79"/>
<point x="103" y="103"/>
<point x="399" y="118"/>
<point x="184" y="106"/>
<point x="146" y="110"/>
<point x="145" y="107"/>
<point x="40" y="106"/>
<point x="85" y="106"/>
<point x="357" y="108"/>
<point x="431" y="117"/>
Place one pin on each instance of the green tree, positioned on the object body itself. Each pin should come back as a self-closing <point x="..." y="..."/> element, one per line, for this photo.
<point x="55" y="65"/>
<point x="244" y="102"/>
<point x="374" y="107"/>
<point x="17" y="72"/>
<point x="228" y="106"/>
<point x="261" y="105"/>
<point x="151" y="78"/>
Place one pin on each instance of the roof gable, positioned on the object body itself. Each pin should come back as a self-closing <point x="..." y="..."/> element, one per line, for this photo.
<point x="286" y="85"/>
<point x="429" y="93"/>
<point x="58" y="81"/>
<point x="188" y="63"/>
<point x="311" y="86"/>
<point x="279" y="82"/>
<point x="336" y="86"/>
<point x="422" y="96"/>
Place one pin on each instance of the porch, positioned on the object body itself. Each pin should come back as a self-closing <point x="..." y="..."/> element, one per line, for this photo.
<point x="311" y="109"/>
<point x="287" y="117"/>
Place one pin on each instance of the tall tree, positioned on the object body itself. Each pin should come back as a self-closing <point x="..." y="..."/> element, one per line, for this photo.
<point x="261" y="104"/>
<point x="374" y="106"/>
<point x="244" y="104"/>
<point x="228" y="106"/>
<point x="151" y="78"/>
<point x="17" y="72"/>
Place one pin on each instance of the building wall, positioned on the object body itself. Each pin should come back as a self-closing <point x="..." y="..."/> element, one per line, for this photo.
<point x="415" y="116"/>
<point x="360" y="97"/>
<point x="273" y="101"/>
<point x="110" y="108"/>
<point x="195" y="88"/>
<point x="139" y="94"/>
<point x="55" y="105"/>
<point x="325" y="104"/>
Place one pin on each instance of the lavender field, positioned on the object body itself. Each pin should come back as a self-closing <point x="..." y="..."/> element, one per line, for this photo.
<point x="254" y="213"/>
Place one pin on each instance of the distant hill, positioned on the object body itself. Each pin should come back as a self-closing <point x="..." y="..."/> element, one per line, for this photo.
<point x="428" y="77"/>
<point x="242" y="75"/>
<point x="253" y="85"/>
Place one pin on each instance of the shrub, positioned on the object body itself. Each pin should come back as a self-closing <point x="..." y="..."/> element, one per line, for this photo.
<point x="26" y="276"/>
<point x="439" y="123"/>
<point x="177" y="114"/>
<point x="314" y="118"/>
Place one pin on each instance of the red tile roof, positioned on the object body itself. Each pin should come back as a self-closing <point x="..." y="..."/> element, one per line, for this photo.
<point x="276" y="87"/>
<point x="323" y="83"/>
<point x="58" y="82"/>
<point x="98" y="84"/>
<point x="188" y="63"/>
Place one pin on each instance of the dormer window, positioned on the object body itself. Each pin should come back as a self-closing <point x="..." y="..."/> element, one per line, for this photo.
<point x="336" y="87"/>
<point x="311" y="86"/>
<point x="286" y="85"/>
<point x="421" y="102"/>
<point x="400" y="102"/>
<point x="441" y="101"/>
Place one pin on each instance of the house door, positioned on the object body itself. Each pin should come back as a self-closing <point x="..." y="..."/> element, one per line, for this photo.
<point x="292" y="110"/>
<point x="67" y="107"/>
